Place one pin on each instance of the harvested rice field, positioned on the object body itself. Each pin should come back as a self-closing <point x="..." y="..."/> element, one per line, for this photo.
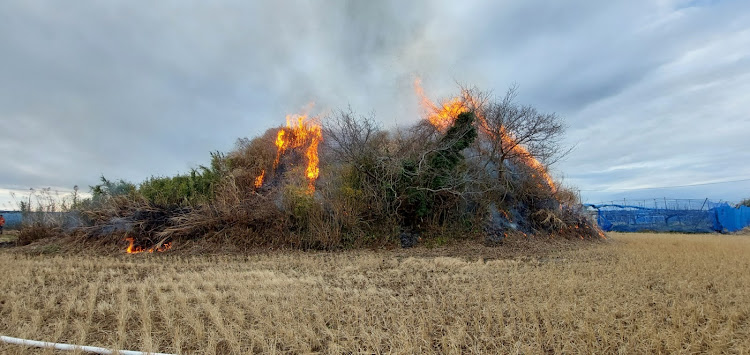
<point x="635" y="293"/>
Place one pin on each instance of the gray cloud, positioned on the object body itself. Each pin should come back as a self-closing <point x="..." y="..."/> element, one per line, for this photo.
<point x="654" y="92"/>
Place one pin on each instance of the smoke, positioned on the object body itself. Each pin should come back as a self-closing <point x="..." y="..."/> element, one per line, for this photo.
<point x="128" y="90"/>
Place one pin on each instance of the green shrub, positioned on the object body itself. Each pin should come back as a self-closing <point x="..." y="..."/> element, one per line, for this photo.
<point x="178" y="190"/>
<point x="109" y="189"/>
<point x="196" y="187"/>
<point x="431" y="192"/>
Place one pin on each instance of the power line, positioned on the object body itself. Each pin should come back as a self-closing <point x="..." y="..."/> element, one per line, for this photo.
<point x="670" y="187"/>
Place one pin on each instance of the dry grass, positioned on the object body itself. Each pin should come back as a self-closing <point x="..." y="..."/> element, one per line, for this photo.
<point x="9" y="235"/>
<point x="640" y="293"/>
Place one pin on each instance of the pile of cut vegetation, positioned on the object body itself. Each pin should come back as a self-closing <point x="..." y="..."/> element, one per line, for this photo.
<point x="471" y="169"/>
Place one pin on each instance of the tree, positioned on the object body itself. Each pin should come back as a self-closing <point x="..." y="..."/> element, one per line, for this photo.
<point x="446" y="158"/>
<point x="512" y="132"/>
<point x="108" y="189"/>
<point x="356" y="152"/>
<point x="432" y="185"/>
<point x="359" y="143"/>
<point x="350" y="138"/>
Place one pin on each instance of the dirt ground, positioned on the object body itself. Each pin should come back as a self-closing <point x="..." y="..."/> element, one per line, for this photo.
<point x="635" y="293"/>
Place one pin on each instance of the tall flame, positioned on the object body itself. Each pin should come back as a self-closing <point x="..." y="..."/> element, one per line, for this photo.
<point x="132" y="249"/>
<point x="281" y="147"/>
<point x="442" y="117"/>
<point x="301" y="132"/>
<point x="313" y="168"/>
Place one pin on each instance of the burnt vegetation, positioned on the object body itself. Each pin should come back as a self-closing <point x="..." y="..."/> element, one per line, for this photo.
<point x="473" y="169"/>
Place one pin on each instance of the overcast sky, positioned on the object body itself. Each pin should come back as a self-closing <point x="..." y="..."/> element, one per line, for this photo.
<point x="654" y="93"/>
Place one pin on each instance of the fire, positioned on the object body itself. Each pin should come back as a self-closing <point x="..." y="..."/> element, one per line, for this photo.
<point x="259" y="179"/>
<point x="528" y="159"/>
<point x="313" y="168"/>
<point x="132" y="249"/>
<point x="281" y="145"/>
<point x="300" y="132"/>
<point x="443" y="116"/>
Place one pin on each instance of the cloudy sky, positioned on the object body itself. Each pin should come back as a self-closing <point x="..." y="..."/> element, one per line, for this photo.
<point x="654" y="93"/>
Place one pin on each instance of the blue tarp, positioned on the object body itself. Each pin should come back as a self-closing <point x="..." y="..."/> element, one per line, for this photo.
<point x="624" y="218"/>
<point x="12" y="218"/>
<point x="732" y="219"/>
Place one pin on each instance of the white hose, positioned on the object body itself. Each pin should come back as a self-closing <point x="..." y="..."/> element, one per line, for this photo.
<point x="71" y="347"/>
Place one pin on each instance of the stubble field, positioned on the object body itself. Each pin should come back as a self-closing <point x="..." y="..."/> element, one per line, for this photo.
<point x="635" y="293"/>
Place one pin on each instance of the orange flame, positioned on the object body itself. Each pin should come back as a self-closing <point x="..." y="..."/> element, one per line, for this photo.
<point x="132" y="249"/>
<point x="300" y="132"/>
<point x="281" y="147"/>
<point x="259" y="179"/>
<point x="528" y="159"/>
<point x="313" y="161"/>
<point x="443" y="116"/>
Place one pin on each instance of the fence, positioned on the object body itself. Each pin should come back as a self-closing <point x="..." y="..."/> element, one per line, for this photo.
<point x="663" y="215"/>
<point x="14" y="219"/>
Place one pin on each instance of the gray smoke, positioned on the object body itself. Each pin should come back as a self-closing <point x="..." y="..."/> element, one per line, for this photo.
<point x="130" y="90"/>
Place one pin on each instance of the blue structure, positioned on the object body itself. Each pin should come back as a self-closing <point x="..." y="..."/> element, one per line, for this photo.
<point x="733" y="219"/>
<point x="12" y="219"/>
<point x="687" y="216"/>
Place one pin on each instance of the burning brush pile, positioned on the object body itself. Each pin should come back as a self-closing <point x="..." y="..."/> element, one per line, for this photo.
<point x="473" y="168"/>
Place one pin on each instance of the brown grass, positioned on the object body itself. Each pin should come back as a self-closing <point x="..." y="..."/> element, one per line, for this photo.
<point x="638" y="293"/>
<point x="9" y="235"/>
